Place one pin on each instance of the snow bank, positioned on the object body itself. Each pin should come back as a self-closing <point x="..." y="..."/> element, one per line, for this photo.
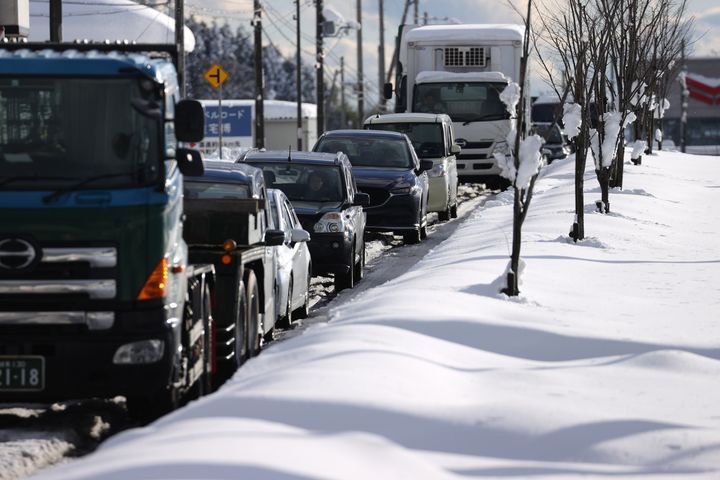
<point x="606" y="366"/>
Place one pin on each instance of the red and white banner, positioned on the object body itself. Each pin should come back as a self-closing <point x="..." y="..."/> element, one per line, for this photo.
<point x="703" y="89"/>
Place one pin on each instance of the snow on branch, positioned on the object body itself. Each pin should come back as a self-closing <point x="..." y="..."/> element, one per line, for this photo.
<point x="572" y="119"/>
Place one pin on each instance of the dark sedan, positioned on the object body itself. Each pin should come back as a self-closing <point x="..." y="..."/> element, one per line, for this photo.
<point x="386" y="168"/>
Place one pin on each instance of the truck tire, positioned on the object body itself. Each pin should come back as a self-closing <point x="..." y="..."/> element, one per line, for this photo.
<point x="346" y="280"/>
<point x="254" y="332"/>
<point x="203" y="384"/>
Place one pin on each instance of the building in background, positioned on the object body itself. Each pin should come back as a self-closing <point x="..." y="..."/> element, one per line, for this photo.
<point x="703" y="110"/>
<point x="238" y="127"/>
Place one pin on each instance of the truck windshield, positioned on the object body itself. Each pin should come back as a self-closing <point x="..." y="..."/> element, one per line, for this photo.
<point x="463" y="101"/>
<point x="427" y="138"/>
<point x="304" y="182"/>
<point x="59" y="132"/>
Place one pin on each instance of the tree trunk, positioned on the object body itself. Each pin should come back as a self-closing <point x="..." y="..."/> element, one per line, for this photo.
<point x="513" y="275"/>
<point x="603" y="176"/>
<point x="578" y="228"/>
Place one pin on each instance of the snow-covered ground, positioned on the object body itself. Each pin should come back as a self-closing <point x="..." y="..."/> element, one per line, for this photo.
<point x="606" y="366"/>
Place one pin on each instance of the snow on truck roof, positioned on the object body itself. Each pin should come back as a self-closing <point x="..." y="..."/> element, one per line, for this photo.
<point x="466" y="33"/>
<point x="442" y="76"/>
<point x="410" y="117"/>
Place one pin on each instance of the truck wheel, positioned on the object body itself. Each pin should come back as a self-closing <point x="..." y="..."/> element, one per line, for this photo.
<point x="286" y="320"/>
<point x="346" y="280"/>
<point x="304" y="310"/>
<point x="204" y="382"/>
<point x="360" y="265"/>
<point x="253" y="314"/>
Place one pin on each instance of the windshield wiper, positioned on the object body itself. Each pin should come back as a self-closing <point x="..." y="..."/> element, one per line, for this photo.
<point x="29" y="177"/>
<point x="487" y="116"/>
<point x="59" y="192"/>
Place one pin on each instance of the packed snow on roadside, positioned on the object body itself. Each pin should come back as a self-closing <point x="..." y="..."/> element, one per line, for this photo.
<point x="606" y="366"/>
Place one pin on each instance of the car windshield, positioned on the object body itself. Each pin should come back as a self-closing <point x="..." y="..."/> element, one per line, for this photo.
<point x="426" y="138"/>
<point x="304" y="182"/>
<point x="61" y="131"/>
<point x="545" y="112"/>
<point x="370" y="152"/>
<point x="554" y="136"/>
<point x="463" y="101"/>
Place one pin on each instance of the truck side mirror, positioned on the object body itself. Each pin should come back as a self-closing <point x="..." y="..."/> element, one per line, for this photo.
<point x="274" y="238"/>
<point x="190" y="162"/>
<point x="361" y="200"/>
<point x="388" y="91"/>
<point x="189" y="121"/>
<point x="455" y="148"/>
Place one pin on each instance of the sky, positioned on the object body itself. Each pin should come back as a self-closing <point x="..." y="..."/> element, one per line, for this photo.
<point x="280" y="27"/>
<point x="605" y="367"/>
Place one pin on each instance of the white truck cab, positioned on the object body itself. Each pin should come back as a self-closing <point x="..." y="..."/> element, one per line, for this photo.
<point x="433" y="139"/>
<point x="460" y="70"/>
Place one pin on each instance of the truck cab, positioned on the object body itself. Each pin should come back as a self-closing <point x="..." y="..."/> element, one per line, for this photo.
<point x="94" y="272"/>
<point x="460" y="70"/>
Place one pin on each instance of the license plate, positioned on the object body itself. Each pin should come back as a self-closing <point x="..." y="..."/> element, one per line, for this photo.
<point x="22" y="373"/>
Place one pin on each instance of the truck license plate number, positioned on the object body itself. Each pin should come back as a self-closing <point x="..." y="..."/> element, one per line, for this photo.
<point x="22" y="373"/>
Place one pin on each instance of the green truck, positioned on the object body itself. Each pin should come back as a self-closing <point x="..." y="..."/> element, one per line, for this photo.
<point x="97" y="295"/>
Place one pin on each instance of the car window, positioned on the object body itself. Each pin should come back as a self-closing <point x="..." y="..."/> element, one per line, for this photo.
<point x="304" y="182"/>
<point x="369" y="152"/>
<point x="426" y="138"/>
<point x="212" y="191"/>
<point x="273" y="212"/>
<point x="287" y="219"/>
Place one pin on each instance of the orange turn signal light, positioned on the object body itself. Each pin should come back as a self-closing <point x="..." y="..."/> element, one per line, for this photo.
<point x="229" y="245"/>
<point x="226" y="259"/>
<point x="156" y="283"/>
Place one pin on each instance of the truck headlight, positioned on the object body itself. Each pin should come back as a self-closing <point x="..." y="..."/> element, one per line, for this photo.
<point x="144" y="351"/>
<point x="438" y="170"/>
<point x="331" y="222"/>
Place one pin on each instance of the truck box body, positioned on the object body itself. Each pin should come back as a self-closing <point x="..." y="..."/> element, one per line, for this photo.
<point x="90" y="219"/>
<point x="463" y="68"/>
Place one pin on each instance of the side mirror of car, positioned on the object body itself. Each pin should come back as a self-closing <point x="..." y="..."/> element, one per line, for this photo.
<point x="361" y="200"/>
<point x="426" y="165"/>
<point x="189" y="162"/>
<point x="299" y="235"/>
<point x="189" y="121"/>
<point x="274" y="238"/>
<point x="388" y="91"/>
<point x="455" y="149"/>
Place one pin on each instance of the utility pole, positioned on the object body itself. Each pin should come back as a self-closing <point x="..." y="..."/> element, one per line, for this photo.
<point x="320" y="67"/>
<point x="343" y="113"/>
<point x="381" y="57"/>
<point x="180" y="43"/>
<point x="55" y="21"/>
<point x="416" y="18"/>
<point x="259" y="78"/>
<point x="298" y="76"/>
<point x="425" y="17"/>
<point x="360" y="86"/>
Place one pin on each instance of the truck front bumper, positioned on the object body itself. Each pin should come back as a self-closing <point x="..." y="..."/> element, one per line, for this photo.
<point x="78" y="362"/>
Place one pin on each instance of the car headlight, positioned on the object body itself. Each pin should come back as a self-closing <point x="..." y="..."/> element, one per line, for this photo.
<point x="401" y="190"/>
<point x="331" y="222"/>
<point x="437" y="171"/>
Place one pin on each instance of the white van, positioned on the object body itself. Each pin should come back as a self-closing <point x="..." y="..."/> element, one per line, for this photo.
<point x="433" y="139"/>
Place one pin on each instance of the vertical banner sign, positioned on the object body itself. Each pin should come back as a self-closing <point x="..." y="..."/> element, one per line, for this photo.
<point x="216" y="76"/>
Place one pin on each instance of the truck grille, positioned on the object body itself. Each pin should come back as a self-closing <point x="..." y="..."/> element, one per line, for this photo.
<point x="29" y="271"/>
<point x="464" y="56"/>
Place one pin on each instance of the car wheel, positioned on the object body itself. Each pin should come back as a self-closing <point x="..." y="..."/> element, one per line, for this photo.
<point x="346" y="280"/>
<point x="304" y="310"/>
<point x="360" y="265"/>
<point x="254" y="330"/>
<point x="454" y="211"/>
<point x="445" y="215"/>
<point x="412" y="236"/>
<point x="423" y="228"/>
<point x="286" y="320"/>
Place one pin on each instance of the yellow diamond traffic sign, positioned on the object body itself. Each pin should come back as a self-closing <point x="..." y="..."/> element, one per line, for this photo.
<point x="216" y="76"/>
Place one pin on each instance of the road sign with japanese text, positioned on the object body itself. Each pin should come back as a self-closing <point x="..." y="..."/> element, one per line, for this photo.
<point x="216" y="76"/>
<point x="235" y="121"/>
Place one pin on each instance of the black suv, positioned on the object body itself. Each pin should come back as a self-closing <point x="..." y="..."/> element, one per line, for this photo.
<point x="388" y="169"/>
<point x="321" y="188"/>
